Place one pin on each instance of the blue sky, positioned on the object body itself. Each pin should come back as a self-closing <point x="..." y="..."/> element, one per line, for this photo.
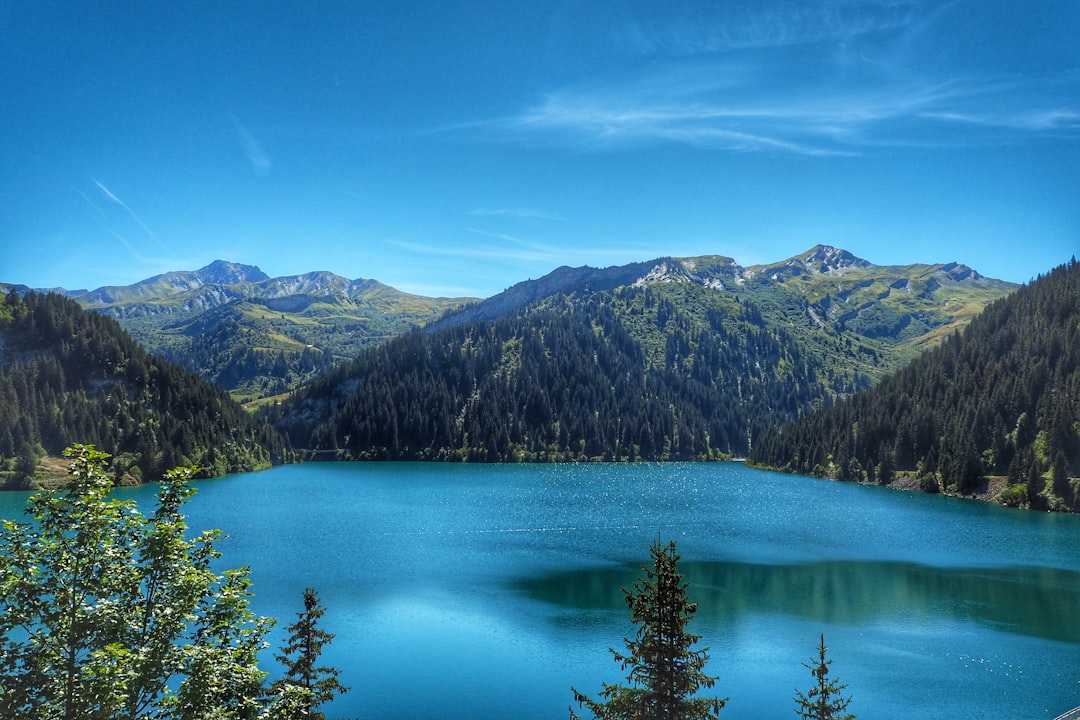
<point x="455" y="148"/>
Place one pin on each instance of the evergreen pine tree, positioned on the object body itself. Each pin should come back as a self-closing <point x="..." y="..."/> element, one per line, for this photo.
<point x="665" y="673"/>
<point x="300" y="656"/>
<point x="823" y="701"/>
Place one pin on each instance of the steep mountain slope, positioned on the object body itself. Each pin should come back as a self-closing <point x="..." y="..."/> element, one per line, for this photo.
<point x="256" y="335"/>
<point x="857" y="319"/>
<point x="674" y="359"/>
<point x="259" y="336"/>
<point x="68" y="375"/>
<point x="562" y="379"/>
<point x="1002" y="398"/>
<point x="202" y="289"/>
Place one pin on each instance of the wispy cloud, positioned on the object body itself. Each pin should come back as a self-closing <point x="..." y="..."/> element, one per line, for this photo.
<point x="514" y="252"/>
<point x="102" y="219"/>
<point x="826" y="119"/>
<point x="512" y="249"/>
<point x="1031" y="120"/>
<point x="617" y="120"/>
<point x="107" y="222"/>
<point x="796" y="77"/>
<point x="523" y="213"/>
<point x="253" y="149"/>
<point x="447" y="291"/>
<point x="117" y="201"/>
<point x="697" y="28"/>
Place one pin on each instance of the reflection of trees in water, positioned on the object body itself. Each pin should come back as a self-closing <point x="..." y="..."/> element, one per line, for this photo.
<point x="1040" y="602"/>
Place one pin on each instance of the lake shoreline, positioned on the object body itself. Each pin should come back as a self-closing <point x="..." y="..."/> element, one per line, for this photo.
<point x="989" y="491"/>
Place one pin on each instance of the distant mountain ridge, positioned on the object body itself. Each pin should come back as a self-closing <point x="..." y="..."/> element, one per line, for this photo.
<point x="914" y="304"/>
<point x="671" y="359"/>
<point x="216" y="284"/>
<point x="256" y="335"/>
<point x="259" y="336"/>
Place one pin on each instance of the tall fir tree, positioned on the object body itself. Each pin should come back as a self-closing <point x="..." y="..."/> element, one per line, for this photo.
<point x="300" y="656"/>
<point x="823" y="701"/>
<point x="665" y="673"/>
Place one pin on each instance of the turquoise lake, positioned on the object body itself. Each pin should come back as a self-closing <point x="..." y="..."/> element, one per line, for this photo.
<point x="479" y="591"/>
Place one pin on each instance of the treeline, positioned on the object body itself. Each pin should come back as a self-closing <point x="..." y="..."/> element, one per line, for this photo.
<point x="1001" y="398"/>
<point x="623" y="375"/>
<point x="67" y="374"/>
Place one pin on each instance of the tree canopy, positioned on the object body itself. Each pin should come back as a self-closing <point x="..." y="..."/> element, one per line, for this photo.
<point x="317" y="684"/>
<point x="632" y="374"/>
<point x="112" y="614"/>
<point x="824" y="700"/>
<point x="70" y="375"/>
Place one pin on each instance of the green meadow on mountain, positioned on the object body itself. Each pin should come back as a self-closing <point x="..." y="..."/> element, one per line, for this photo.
<point x="688" y="358"/>
<point x="999" y="399"/>
<point x="258" y="336"/>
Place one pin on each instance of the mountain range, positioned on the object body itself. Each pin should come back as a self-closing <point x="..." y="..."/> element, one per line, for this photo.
<point x="259" y="336"/>
<point x="676" y="358"/>
<point x="255" y="335"/>
<point x="668" y="359"/>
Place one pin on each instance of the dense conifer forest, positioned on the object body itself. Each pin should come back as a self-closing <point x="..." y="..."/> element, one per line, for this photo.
<point x="68" y="375"/>
<point x="1001" y="398"/>
<point x="575" y="377"/>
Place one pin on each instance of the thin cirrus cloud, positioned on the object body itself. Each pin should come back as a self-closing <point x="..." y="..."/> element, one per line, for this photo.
<point x="252" y="148"/>
<point x="787" y="76"/>
<point x="507" y="248"/>
<point x="828" y="119"/>
<point x="771" y="24"/>
<point x="111" y="196"/>
<point x="521" y="213"/>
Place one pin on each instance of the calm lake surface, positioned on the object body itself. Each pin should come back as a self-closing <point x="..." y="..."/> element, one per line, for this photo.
<point x="478" y="591"/>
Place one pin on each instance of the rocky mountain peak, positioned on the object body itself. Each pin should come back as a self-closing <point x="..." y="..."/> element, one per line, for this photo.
<point x="829" y="260"/>
<point x="223" y="272"/>
<point x="959" y="273"/>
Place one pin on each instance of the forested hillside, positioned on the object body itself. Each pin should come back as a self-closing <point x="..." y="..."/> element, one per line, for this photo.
<point x="855" y="320"/>
<point x="259" y="337"/>
<point x="1001" y="398"/>
<point x="689" y="358"/>
<point x="562" y="380"/>
<point x="254" y="335"/>
<point x="72" y="376"/>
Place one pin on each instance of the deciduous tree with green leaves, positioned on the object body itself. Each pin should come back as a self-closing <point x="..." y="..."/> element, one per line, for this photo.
<point x="665" y="673"/>
<point x="823" y="701"/>
<point x="300" y="656"/>
<point x="107" y="613"/>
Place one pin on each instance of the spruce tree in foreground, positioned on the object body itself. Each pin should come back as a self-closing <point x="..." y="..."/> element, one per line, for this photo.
<point x="823" y="701"/>
<point x="300" y="656"/>
<point x="665" y="673"/>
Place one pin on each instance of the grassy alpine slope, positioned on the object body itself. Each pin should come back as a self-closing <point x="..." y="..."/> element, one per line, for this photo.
<point x="687" y="358"/>
<point x="999" y="400"/>
<point x="258" y="336"/>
